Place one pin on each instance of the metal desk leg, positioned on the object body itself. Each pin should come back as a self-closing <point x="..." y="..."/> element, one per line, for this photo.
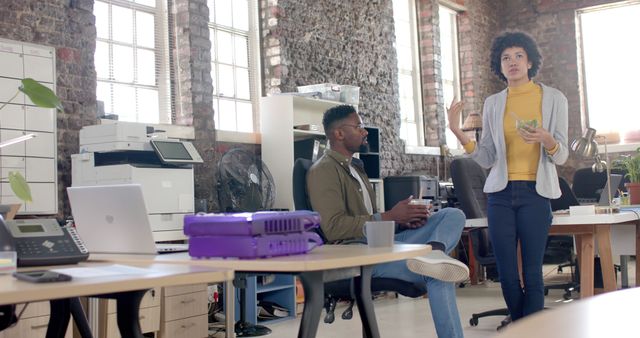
<point x="79" y="317"/>
<point x="362" y="289"/>
<point x="59" y="318"/>
<point x="624" y="271"/>
<point x="313" y="285"/>
<point x="128" y="306"/>
<point x="229" y="301"/>
<point x="61" y="310"/>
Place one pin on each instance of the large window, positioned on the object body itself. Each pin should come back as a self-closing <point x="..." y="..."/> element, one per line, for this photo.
<point x="131" y="59"/>
<point x="234" y="63"/>
<point x="409" y="79"/>
<point x="610" y="70"/>
<point x="411" y="127"/>
<point x="449" y="63"/>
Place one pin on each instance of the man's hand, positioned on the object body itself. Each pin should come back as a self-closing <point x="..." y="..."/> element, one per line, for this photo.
<point x="408" y="215"/>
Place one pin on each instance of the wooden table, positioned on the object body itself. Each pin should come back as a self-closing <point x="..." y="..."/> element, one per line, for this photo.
<point x="611" y="314"/>
<point x="13" y="291"/>
<point x="586" y="229"/>
<point x="323" y="264"/>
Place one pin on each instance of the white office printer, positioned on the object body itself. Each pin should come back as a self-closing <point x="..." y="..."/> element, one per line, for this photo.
<point x="127" y="152"/>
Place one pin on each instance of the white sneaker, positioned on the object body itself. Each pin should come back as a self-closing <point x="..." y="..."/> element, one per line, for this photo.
<point x="439" y="265"/>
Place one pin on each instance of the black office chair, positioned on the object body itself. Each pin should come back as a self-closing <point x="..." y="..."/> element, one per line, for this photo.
<point x="468" y="182"/>
<point x="587" y="185"/>
<point x="343" y="289"/>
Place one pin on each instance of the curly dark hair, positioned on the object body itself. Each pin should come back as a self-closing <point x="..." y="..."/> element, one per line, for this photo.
<point x="515" y="39"/>
<point x="335" y="114"/>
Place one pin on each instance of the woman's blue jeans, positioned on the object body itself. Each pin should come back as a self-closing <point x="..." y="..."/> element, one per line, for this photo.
<point x="519" y="213"/>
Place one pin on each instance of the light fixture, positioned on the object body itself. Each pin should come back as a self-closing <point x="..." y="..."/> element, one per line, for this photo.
<point x="587" y="147"/>
<point x="17" y="140"/>
<point x="473" y="122"/>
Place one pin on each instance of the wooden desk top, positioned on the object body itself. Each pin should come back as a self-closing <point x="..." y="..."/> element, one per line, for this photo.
<point x="325" y="257"/>
<point x="566" y="219"/>
<point x="16" y="291"/>
<point x="613" y="314"/>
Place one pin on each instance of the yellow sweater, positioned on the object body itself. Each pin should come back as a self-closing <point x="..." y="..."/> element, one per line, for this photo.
<point x="525" y="103"/>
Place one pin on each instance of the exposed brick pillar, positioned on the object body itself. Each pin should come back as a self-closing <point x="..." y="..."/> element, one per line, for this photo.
<point x="194" y="106"/>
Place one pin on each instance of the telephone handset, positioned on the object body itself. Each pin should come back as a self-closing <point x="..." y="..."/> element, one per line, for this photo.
<point x="42" y="242"/>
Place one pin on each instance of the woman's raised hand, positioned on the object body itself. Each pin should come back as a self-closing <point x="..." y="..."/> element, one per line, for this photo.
<point x="453" y="114"/>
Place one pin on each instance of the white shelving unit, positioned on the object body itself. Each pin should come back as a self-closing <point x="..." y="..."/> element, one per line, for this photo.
<point x="279" y="115"/>
<point x="281" y="291"/>
<point x="34" y="158"/>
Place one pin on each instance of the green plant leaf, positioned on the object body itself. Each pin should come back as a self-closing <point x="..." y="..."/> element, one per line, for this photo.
<point x="19" y="186"/>
<point x="40" y="95"/>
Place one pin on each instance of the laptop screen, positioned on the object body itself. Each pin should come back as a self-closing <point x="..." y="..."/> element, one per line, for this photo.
<point x="615" y="183"/>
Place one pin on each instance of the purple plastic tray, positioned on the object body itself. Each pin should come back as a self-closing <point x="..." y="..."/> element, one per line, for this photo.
<point x="258" y="223"/>
<point x="253" y="246"/>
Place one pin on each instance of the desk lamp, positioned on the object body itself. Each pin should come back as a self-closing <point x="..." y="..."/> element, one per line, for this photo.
<point x="586" y="147"/>
<point x="473" y="122"/>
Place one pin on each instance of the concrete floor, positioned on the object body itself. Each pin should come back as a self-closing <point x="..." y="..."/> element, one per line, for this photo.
<point x="406" y="317"/>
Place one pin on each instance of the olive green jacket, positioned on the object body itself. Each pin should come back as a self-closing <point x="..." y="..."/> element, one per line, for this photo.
<point x="337" y="196"/>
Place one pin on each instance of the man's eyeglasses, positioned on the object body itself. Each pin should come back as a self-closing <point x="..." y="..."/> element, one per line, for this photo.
<point x="359" y="126"/>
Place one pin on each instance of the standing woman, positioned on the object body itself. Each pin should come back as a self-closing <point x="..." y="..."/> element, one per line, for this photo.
<point x="522" y="156"/>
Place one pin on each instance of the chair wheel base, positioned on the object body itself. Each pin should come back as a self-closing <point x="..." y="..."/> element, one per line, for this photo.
<point x="473" y="321"/>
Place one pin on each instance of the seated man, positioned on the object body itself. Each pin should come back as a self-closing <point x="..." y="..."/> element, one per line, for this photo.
<point x="341" y="192"/>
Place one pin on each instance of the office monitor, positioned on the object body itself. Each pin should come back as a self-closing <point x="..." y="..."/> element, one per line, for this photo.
<point x="176" y="152"/>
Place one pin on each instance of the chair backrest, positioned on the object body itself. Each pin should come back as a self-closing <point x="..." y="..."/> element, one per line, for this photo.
<point x="588" y="185"/>
<point x="567" y="198"/>
<point x="300" y="196"/>
<point x="481" y="246"/>
<point x="468" y="181"/>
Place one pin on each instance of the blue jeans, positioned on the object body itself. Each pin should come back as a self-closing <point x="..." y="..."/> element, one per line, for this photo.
<point x="519" y="213"/>
<point x="444" y="226"/>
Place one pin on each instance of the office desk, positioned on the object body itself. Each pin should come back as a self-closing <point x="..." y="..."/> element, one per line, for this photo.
<point x="323" y="264"/>
<point x="611" y="314"/>
<point x="586" y="229"/>
<point x="14" y="291"/>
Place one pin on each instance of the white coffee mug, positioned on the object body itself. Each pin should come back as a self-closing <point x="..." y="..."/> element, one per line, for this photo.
<point x="379" y="233"/>
<point x="421" y="201"/>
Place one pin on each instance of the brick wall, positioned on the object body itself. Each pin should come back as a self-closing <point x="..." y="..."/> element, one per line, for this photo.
<point x="306" y="42"/>
<point x="344" y="42"/>
<point x="476" y="27"/>
<point x="70" y="28"/>
<point x="193" y="87"/>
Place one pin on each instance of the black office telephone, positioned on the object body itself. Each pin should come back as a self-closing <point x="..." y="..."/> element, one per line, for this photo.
<point x="42" y="242"/>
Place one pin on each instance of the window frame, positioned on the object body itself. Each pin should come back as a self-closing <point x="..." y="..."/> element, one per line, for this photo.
<point x="161" y="52"/>
<point x="586" y="112"/>
<point x="253" y="69"/>
<point x="415" y="74"/>
<point x="456" y="83"/>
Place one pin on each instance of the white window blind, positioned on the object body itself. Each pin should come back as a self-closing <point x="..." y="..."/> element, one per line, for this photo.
<point x="411" y="126"/>
<point x="234" y="63"/>
<point x="132" y="59"/>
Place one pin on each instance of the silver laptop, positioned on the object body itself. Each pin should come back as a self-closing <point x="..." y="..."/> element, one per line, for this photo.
<point x="615" y="183"/>
<point x="113" y="219"/>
